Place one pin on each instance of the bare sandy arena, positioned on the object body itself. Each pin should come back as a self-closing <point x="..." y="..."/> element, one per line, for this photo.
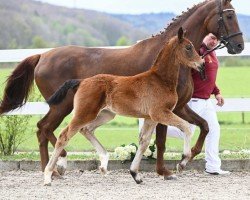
<point x="120" y="185"/>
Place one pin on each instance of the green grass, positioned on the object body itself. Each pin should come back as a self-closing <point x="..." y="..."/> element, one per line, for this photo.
<point x="232" y="81"/>
<point x="234" y="136"/>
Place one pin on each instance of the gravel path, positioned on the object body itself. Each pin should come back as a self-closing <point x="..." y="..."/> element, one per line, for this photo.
<point x="119" y="184"/>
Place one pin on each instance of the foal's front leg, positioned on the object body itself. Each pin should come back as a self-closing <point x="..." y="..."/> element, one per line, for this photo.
<point x="144" y="140"/>
<point x="169" y="118"/>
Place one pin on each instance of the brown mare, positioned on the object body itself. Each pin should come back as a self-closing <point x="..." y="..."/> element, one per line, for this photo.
<point x="151" y="95"/>
<point x="53" y="68"/>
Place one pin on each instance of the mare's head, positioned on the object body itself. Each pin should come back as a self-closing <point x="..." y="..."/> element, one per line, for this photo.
<point x="223" y="23"/>
<point x="185" y="53"/>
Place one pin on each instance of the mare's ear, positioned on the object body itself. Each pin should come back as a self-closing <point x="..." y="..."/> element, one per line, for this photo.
<point x="180" y="34"/>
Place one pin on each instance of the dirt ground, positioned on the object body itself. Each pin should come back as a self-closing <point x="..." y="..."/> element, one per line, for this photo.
<point x="120" y="185"/>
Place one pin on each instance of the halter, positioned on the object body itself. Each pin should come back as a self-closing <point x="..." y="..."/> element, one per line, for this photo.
<point x="223" y="39"/>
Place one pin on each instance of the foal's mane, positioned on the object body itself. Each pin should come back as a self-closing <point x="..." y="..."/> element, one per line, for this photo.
<point x="170" y="44"/>
<point x="180" y="18"/>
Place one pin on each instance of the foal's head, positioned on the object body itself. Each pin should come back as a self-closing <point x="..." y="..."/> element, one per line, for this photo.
<point x="184" y="52"/>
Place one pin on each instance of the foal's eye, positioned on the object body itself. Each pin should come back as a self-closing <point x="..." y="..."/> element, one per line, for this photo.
<point x="188" y="47"/>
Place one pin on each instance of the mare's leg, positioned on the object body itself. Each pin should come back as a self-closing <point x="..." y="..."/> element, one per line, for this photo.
<point x="88" y="132"/>
<point x="46" y="126"/>
<point x="169" y="118"/>
<point x="145" y="136"/>
<point x="161" y="131"/>
<point x="192" y="117"/>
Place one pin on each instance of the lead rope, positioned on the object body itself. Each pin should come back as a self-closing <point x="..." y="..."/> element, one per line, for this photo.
<point x="202" y="70"/>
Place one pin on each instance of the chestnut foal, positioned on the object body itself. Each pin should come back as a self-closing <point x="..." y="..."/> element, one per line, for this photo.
<point x="151" y="95"/>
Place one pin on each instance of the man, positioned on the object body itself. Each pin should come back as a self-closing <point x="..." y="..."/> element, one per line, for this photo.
<point x="202" y="105"/>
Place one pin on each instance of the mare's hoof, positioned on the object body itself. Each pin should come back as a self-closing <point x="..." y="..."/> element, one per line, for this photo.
<point x="171" y="177"/>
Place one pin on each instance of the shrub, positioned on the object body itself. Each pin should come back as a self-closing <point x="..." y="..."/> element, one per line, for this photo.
<point x="12" y="132"/>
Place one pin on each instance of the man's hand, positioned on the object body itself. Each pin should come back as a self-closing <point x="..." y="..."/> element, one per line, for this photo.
<point x="220" y="100"/>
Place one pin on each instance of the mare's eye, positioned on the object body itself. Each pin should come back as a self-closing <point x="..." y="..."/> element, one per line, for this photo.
<point x="230" y="17"/>
<point x="188" y="47"/>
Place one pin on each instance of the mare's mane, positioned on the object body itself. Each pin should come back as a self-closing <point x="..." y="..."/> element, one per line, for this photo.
<point x="178" y="19"/>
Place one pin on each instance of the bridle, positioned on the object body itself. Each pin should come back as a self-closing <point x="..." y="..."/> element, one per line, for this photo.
<point x="223" y="39"/>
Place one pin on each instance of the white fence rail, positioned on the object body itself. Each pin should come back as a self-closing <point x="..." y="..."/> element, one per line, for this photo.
<point x="17" y="55"/>
<point x="41" y="108"/>
<point x="231" y="105"/>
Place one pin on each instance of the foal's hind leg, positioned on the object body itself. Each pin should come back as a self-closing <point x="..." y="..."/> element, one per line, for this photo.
<point x="169" y="118"/>
<point x="74" y="126"/>
<point x="62" y="141"/>
<point x="145" y="136"/>
<point x="46" y="126"/>
<point x="88" y="132"/>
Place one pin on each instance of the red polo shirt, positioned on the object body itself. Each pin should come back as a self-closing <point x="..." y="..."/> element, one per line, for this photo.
<point x="203" y="89"/>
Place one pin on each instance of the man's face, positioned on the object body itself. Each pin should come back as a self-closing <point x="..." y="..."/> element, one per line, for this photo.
<point x="210" y="41"/>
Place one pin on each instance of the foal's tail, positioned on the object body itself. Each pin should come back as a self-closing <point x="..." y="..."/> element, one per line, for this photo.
<point x="60" y="94"/>
<point x="19" y="84"/>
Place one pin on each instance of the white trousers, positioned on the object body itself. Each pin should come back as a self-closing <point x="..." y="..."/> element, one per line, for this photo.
<point x="205" y="109"/>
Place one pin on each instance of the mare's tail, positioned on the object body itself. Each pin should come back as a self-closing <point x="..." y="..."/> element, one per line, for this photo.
<point x="60" y="94"/>
<point x="19" y="84"/>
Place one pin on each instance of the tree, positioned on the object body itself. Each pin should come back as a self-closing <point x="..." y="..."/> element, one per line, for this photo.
<point x="39" y="42"/>
<point x="123" y="41"/>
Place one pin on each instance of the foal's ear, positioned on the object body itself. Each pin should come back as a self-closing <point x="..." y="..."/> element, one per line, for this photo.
<point x="180" y="34"/>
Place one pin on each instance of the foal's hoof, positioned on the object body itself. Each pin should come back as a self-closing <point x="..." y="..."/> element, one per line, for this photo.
<point x="179" y="168"/>
<point x="171" y="177"/>
<point x="61" y="165"/>
<point x="56" y="175"/>
<point x="61" y="170"/>
<point x="136" y="177"/>
<point x="103" y="170"/>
